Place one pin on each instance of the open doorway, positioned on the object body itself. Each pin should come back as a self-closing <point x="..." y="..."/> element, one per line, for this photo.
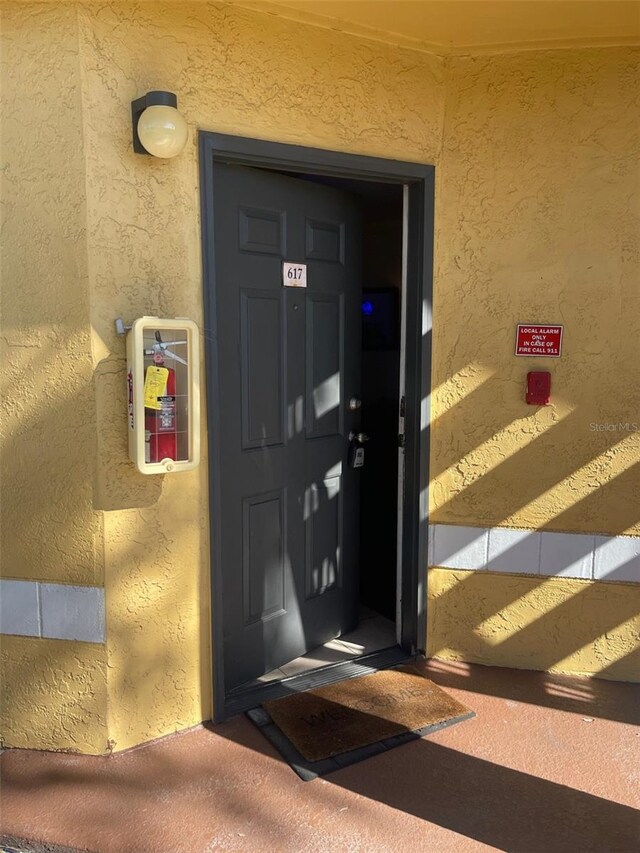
<point x="380" y="294"/>
<point x="315" y="556"/>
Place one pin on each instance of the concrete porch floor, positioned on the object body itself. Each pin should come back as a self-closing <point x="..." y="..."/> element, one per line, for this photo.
<point x="549" y="763"/>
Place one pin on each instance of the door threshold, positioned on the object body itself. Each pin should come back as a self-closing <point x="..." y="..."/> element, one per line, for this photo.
<point x="244" y="698"/>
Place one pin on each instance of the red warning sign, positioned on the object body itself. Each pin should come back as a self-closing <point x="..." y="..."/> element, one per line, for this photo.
<point x="539" y="340"/>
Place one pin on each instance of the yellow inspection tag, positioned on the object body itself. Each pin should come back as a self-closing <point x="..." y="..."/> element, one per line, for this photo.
<point x="155" y="385"/>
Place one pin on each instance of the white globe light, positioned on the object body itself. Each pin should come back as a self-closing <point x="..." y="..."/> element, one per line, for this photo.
<point x="162" y="131"/>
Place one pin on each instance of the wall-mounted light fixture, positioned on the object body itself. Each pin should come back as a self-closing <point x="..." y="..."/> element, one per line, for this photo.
<point x="158" y="128"/>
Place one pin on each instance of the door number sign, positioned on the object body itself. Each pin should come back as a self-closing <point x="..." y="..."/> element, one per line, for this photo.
<point x="294" y="275"/>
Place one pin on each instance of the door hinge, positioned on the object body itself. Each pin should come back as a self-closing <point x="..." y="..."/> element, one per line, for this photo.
<point x="401" y="441"/>
<point x="403" y="406"/>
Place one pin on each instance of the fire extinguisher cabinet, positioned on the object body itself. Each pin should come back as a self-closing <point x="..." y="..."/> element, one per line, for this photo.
<point x="163" y="386"/>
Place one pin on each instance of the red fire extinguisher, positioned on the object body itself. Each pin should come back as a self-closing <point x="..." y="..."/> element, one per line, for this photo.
<point x="161" y="433"/>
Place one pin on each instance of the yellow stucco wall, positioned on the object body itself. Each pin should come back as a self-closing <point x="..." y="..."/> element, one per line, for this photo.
<point x="558" y="624"/>
<point x="50" y="530"/>
<point x="538" y="221"/>
<point x="54" y="695"/>
<point x="234" y="72"/>
<point x="94" y="231"/>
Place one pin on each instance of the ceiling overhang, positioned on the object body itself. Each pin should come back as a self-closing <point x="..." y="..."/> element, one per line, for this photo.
<point x="470" y="26"/>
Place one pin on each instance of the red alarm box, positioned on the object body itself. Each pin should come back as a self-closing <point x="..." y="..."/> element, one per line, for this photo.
<point x="538" y="387"/>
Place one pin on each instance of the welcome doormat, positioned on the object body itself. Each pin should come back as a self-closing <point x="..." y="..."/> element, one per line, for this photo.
<point x="322" y="730"/>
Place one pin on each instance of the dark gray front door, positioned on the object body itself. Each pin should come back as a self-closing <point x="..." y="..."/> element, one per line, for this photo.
<point x="289" y="362"/>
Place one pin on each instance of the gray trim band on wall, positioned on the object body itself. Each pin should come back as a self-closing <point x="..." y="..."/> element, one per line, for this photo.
<point x="52" y="610"/>
<point x="588" y="556"/>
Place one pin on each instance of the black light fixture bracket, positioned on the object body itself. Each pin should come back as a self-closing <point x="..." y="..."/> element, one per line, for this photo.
<point x="151" y="99"/>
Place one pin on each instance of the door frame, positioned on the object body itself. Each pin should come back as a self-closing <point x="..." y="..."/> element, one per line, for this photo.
<point x="419" y="180"/>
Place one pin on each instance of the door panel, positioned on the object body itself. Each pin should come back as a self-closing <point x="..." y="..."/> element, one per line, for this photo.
<point x="325" y="364"/>
<point x="262" y="342"/>
<point x="289" y="358"/>
<point x="261" y="231"/>
<point x="325" y="241"/>
<point x="324" y="537"/>
<point x="263" y="556"/>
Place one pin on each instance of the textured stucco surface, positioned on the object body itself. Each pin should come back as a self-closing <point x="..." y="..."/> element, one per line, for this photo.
<point x="54" y="695"/>
<point x="537" y="212"/>
<point x="234" y="72"/>
<point x="538" y="221"/>
<point x="133" y="247"/>
<point x="557" y="624"/>
<point x="49" y="528"/>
